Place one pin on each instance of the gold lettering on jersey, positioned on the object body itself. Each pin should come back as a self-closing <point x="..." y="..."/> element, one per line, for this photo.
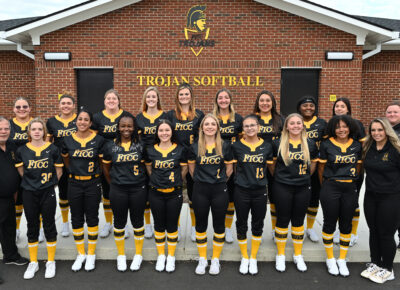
<point x="265" y="129"/>
<point x="150" y="130"/>
<point x="110" y="129"/>
<point x="227" y="130"/>
<point x="86" y="153"/>
<point x="20" y="136"/>
<point x="64" y="133"/>
<point x="215" y="159"/>
<point x="184" y="127"/>
<point x="253" y="158"/>
<point x="42" y="163"/>
<point x="296" y="155"/>
<point x="345" y="159"/>
<point x="164" y="163"/>
<point x="312" y="134"/>
<point x="127" y="157"/>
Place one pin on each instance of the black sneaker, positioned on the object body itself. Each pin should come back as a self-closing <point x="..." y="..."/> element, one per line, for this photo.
<point x="19" y="261"/>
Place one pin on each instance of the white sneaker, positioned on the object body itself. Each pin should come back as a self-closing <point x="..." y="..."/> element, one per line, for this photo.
<point x="372" y="269"/>
<point x="90" y="263"/>
<point x="353" y="240"/>
<point x="77" y="265"/>
<point x="312" y="235"/>
<point x="382" y="276"/>
<point x="280" y="265"/>
<point x="105" y="231"/>
<point x="244" y="266"/>
<point x="253" y="268"/>
<point x="228" y="235"/>
<point x="299" y="262"/>
<point x="273" y="235"/>
<point x="193" y="234"/>
<point x="148" y="231"/>
<point x="127" y="233"/>
<point x="343" y="270"/>
<point x="33" y="267"/>
<point x="336" y="237"/>
<point x="50" y="270"/>
<point x="201" y="266"/>
<point x="215" y="267"/>
<point x="170" y="266"/>
<point x="160" y="265"/>
<point x="17" y="234"/>
<point x="41" y="235"/>
<point x="332" y="267"/>
<point x="121" y="263"/>
<point x="65" y="230"/>
<point x="136" y="262"/>
<point x="179" y="234"/>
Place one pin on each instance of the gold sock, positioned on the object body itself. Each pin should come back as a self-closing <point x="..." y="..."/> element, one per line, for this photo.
<point x="297" y="238"/>
<point x="354" y="222"/>
<point x="328" y="244"/>
<point x="229" y="215"/>
<point x="64" y="207"/>
<point x="33" y="250"/>
<point x="79" y="237"/>
<point x="92" y="239"/>
<point x="243" y="248"/>
<point x="192" y="216"/>
<point x="119" y="237"/>
<point x="179" y="221"/>
<point x="273" y="215"/>
<point x="147" y="214"/>
<point x="344" y="245"/>
<point x="201" y="241"/>
<point x="138" y="235"/>
<point x="311" y="215"/>
<point x="160" y="242"/>
<point x="172" y="239"/>
<point x="51" y="251"/>
<point x="218" y="244"/>
<point x="107" y="211"/>
<point x="19" y="209"/>
<point x="255" y="245"/>
<point x="280" y="239"/>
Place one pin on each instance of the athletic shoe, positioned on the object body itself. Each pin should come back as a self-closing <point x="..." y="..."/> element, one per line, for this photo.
<point x="90" y="263"/>
<point x="343" y="270"/>
<point x="228" y="235"/>
<point x="332" y="267"/>
<point x="77" y="265"/>
<point x="148" y="231"/>
<point x="170" y="266"/>
<point x="353" y="240"/>
<point x="244" y="266"/>
<point x="127" y="234"/>
<point x="20" y="261"/>
<point x="65" y="230"/>
<point x="193" y="234"/>
<point x="50" y="270"/>
<point x="299" y="262"/>
<point x="136" y="262"/>
<point x="105" y="231"/>
<point x="312" y="235"/>
<point x="160" y="265"/>
<point x="33" y="267"/>
<point x="371" y="270"/>
<point x="121" y="263"/>
<point x="179" y="234"/>
<point x="41" y="235"/>
<point x="280" y="265"/>
<point x="382" y="276"/>
<point x="215" y="267"/>
<point x="253" y="268"/>
<point x="17" y="234"/>
<point x="336" y="237"/>
<point x="201" y="266"/>
<point x="273" y="235"/>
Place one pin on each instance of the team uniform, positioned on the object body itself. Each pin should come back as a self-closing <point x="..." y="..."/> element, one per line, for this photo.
<point x="396" y="129"/>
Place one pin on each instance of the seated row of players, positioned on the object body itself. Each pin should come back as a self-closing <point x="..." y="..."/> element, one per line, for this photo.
<point x="189" y="146"/>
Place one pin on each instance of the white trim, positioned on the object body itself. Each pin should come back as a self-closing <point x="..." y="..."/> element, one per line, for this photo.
<point x="24" y="52"/>
<point x="377" y="50"/>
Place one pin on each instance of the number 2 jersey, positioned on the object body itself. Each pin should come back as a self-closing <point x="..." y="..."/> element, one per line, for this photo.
<point x="39" y="165"/>
<point x="58" y="128"/>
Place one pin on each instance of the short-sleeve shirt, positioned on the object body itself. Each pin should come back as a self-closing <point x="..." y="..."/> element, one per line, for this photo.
<point x="396" y="128"/>
<point x="230" y="130"/>
<point x="146" y="126"/>
<point x="361" y="131"/>
<point x="106" y="125"/>
<point x="9" y="177"/>
<point x="58" y="128"/>
<point x="186" y="131"/>
<point x="267" y="129"/>
<point x="315" y="129"/>
<point x="19" y="132"/>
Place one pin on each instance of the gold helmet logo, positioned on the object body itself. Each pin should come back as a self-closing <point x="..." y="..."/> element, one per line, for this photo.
<point x="196" y="31"/>
<point x="196" y="19"/>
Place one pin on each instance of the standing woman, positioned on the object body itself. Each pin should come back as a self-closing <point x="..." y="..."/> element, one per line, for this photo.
<point x="210" y="164"/>
<point x="124" y="170"/>
<point x="166" y="165"/>
<point x="185" y="120"/>
<point x="315" y="128"/>
<point x="230" y="124"/>
<point x="40" y="165"/>
<point x="251" y="155"/>
<point x="82" y="152"/>
<point x="382" y="198"/>
<point x="340" y="163"/>
<point x="59" y="126"/>
<point x="295" y="159"/>
<point x="105" y="124"/>
<point x="146" y="123"/>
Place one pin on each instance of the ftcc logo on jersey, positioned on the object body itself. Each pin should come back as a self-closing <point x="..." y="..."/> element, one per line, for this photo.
<point x="196" y="30"/>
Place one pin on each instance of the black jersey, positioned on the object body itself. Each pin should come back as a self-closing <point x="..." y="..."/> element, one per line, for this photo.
<point x="360" y="136"/>
<point x="146" y="126"/>
<point x="39" y="165"/>
<point x="267" y="129"/>
<point x="252" y="160"/>
<point x="106" y="125"/>
<point x="396" y="129"/>
<point x="186" y="132"/>
<point x="315" y="129"/>
<point x="19" y="132"/>
<point x="166" y="165"/>
<point x="58" y="128"/>
<point x="340" y="159"/>
<point x="230" y="130"/>
<point x="297" y="172"/>
<point x="127" y="163"/>
<point x="210" y="168"/>
<point x="83" y="154"/>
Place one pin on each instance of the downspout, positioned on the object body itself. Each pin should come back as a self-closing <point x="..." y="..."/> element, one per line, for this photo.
<point x="24" y="52"/>
<point x="373" y="52"/>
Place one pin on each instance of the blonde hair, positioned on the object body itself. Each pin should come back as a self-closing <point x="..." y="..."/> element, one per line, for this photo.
<point x="202" y="141"/>
<point x="192" y="108"/>
<point x="284" y="143"/>
<point x="231" y="107"/>
<point x="144" y="105"/>
<point x="37" y="120"/>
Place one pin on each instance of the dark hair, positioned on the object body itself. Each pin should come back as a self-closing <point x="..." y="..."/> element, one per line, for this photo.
<point x="344" y="100"/>
<point x="276" y="117"/>
<point x="251" y="116"/>
<point x="304" y="100"/>
<point x="67" y="96"/>
<point x="164" y="121"/>
<point x="334" y="123"/>
<point x="134" y="136"/>
<point x="84" y="110"/>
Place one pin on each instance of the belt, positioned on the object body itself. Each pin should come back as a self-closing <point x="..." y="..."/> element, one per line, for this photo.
<point x="87" y="177"/>
<point x="166" y="190"/>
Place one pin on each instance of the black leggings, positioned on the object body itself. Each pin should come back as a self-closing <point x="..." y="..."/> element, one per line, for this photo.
<point x="41" y="202"/>
<point x="291" y="203"/>
<point x="338" y="201"/>
<point x="230" y="185"/>
<point x="383" y="218"/>
<point x="189" y="185"/>
<point x="105" y="187"/>
<point x="166" y="208"/>
<point x="84" y="199"/>
<point x="63" y="185"/>
<point x="246" y="200"/>
<point x="128" y="197"/>
<point x="206" y="196"/>
<point x="315" y="190"/>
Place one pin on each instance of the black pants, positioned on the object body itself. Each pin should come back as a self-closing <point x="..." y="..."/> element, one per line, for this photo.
<point x="189" y="185"/>
<point x="84" y="199"/>
<point x="230" y="185"/>
<point x="128" y="197"/>
<point x="246" y="200"/>
<point x="315" y="190"/>
<point x="19" y="200"/>
<point x="41" y="202"/>
<point x="291" y="203"/>
<point x="7" y="229"/>
<point x="166" y="208"/>
<point x="270" y="179"/>
<point x="105" y="187"/>
<point x="382" y="212"/>
<point x="63" y="185"/>
<point x="338" y="201"/>
<point x="206" y="196"/>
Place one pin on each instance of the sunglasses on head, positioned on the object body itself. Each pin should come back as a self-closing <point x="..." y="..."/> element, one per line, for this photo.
<point x="22" y="107"/>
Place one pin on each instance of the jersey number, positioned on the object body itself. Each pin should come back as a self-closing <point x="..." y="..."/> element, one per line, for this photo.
<point x="302" y="169"/>
<point x="218" y="173"/>
<point x="46" y="177"/>
<point x="172" y="177"/>
<point x="136" y="170"/>
<point x="260" y="173"/>
<point x="91" y="167"/>
<point x="353" y="171"/>
<point x="191" y="139"/>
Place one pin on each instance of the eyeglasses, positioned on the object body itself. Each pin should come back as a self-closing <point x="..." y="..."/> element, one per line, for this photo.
<point x="22" y="107"/>
<point x="249" y="126"/>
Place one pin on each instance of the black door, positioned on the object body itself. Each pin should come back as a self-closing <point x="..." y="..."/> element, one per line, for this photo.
<point x="296" y="84"/>
<point x="92" y="85"/>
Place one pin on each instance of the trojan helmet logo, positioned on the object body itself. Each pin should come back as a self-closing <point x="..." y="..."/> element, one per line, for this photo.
<point x="196" y="29"/>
